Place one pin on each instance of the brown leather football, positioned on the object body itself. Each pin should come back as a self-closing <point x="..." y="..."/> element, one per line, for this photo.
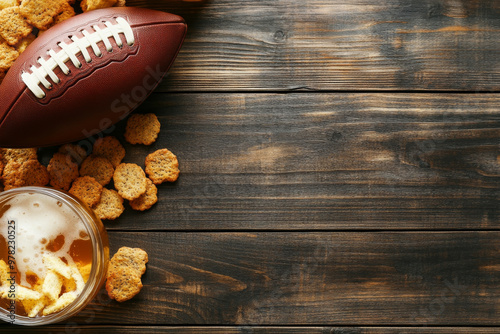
<point x="85" y="74"/>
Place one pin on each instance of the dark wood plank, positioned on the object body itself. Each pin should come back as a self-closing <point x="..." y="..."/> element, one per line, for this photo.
<point x="258" y="330"/>
<point x="334" y="45"/>
<point x="325" y="161"/>
<point x="180" y="329"/>
<point x="300" y="278"/>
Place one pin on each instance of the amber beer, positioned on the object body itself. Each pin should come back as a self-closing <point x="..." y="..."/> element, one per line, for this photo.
<point x="34" y="225"/>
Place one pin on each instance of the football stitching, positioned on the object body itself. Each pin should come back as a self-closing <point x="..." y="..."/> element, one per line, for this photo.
<point x="70" y="51"/>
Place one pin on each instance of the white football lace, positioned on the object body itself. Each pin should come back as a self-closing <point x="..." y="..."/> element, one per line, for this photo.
<point x="69" y="52"/>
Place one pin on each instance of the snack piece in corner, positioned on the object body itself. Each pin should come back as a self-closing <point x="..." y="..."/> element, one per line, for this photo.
<point x="52" y="285"/>
<point x="85" y="270"/>
<point x="62" y="171"/>
<point x="10" y="175"/>
<point x="135" y="258"/>
<point x="15" y="174"/>
<point x="61" y="285"/>
<point x="76" y="152"/>
<point x="124" y="273"/>
<point x="142" y="129"/>
<point x="13" y="26"/>
<point x="8" y="3"/>
<point x="67" y="12"/>
<point x="87" y="189"/>
<point x="130" y="181"/>
<point x="40" y="13"/>
<point x="146" y="200"/>
<point x="24" y="43"/>
<point x="110" y="206"/>
<point x="18" y="154"/>
<point x="88" y="5"/>
<point x="63" y="301"/>
<point x="162" y="165"/>
<point x="8" y="55"/>
<point x="109" y="148"/>
<point x="28" y="173"/>
<point x="99" y="168"/>
<point x="34" y="306"/>
<point x="123" y="284"/>
<point x="4" y="273"/>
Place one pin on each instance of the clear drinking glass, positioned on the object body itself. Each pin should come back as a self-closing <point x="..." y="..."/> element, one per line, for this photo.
<point x="100" y="251"/>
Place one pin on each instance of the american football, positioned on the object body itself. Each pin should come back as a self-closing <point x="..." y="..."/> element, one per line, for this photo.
<point x="85" y="74"/>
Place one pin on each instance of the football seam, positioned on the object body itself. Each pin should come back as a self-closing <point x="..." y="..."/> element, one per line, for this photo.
<point x="38" y="75"/>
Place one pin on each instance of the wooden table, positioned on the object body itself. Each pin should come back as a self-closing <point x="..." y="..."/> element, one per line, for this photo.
<point x="339" y="173"/>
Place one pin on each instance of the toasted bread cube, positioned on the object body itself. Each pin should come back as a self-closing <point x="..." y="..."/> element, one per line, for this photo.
<point x="52" y="285"/>
<point x="77" y="277"/>
<point x="8" y="3"/>
<point x="4" y="273"/>
<point x="33" y="307"/>
<point x="21" y="293"/>
<point x="57" y="265"/>
<point x="63" y="301"/>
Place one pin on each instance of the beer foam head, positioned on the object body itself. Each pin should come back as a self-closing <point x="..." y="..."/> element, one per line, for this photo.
<point x="39" y="219"/>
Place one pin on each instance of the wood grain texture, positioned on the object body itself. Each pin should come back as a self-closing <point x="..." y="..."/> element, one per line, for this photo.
<point x="256" y="330"/>
<point x="286" y="216"/>
<point x="308" y="278"/>
<point x="336" y="45"/>
<point x="324" y="161"/>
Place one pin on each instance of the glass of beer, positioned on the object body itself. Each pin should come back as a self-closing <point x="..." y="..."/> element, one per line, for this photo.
<point x="54" y="254"/>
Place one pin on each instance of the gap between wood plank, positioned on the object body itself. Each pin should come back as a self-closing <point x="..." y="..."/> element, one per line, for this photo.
<point x="304" y="90"/>
<point x="299" y="230"/>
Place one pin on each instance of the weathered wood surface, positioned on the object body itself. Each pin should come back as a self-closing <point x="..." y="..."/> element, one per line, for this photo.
<point x="258" y="330"/>
<point x="325" y="161"/>
<point x="310" y="278"/>
<point x="336" y="45"/>
<point x="288" y="207"/>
